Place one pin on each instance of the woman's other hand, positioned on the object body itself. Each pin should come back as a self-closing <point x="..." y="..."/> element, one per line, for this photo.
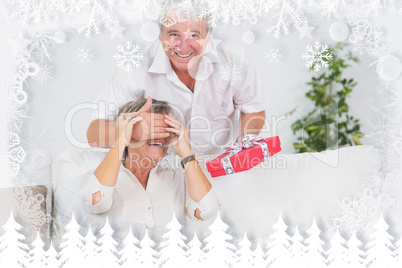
<point x="180" y="141"/>
<point x="124" y="127"/>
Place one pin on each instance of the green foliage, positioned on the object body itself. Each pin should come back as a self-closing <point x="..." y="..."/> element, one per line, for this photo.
<point x="329" y="125"/>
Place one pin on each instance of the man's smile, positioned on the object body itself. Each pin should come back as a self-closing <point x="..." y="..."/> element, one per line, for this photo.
<point x="184" y="56"/>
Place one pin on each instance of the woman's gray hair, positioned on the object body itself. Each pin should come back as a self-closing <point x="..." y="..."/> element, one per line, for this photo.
<point x="158" y="107"/>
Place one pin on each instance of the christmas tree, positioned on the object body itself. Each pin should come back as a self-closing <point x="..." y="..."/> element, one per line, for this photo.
<point x="13" y="251"/>
<point x="130" y="252"/>
<point x="244" y="253"/>
<point x="71" y="247"/>
<point x="354" y="254"/>
<point x="147" y="254"/>
<point x="258" y="256"/>
<point x="297" y="250"/>
<point x="90" y="250"/>
<point x="219" y="251"/>
<point x="278" y="254"/>
<point x="38" y="254"/>
<point x="172" y="253"/>
<point x="52" y="257"/>
<point x="107" y="256"/>
<point x="336" y="254"/>
<point x="195" y="255"/>
<point x="398" y="253"/>
<point x="380" y="249"/>
<point x="314" y="247"/>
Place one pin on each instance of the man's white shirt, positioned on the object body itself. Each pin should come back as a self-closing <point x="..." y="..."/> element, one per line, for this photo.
<point x="225" y="82"/>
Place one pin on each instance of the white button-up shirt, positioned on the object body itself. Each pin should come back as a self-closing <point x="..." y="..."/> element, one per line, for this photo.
<point x="129" y="204"/>
<point x="225" y="82"/>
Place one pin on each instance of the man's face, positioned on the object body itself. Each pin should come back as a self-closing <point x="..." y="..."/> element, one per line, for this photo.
<point x="180" y="42"/>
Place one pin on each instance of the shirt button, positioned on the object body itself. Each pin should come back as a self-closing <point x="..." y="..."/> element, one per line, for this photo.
<point x="149" y="218"/>
<point x="149" y="207"/>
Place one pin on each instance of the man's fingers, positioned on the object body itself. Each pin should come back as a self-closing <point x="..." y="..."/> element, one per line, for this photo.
<point x="147" y="106"/>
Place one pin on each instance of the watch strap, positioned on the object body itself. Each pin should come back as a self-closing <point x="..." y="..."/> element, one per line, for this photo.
<point x="187" y="159"/>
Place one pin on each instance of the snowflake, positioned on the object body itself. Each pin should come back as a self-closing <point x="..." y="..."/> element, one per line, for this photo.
<point x="101" y="14"/>
<point x="317" y="55"/>
<point x="128" y="56"/>
<point x="41" y="42"/>
<point x="274" y="55"/>
<point x="85" y="55"/>
<point x="367" y="38"/>
<point x="230" y="73"/>
<point x="30" y="207"/>
<point x="44" y="74"/>
<point x="172" y="45"/>
<point x="359" y="212"/>
<point x="288" y="13"/>
<point x="13" y="114"/>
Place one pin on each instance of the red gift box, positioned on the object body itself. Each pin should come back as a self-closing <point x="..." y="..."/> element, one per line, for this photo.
<point x="246" y="158"/>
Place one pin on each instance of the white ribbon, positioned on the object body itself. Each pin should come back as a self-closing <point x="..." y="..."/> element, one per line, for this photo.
<point x="247" y="141"/>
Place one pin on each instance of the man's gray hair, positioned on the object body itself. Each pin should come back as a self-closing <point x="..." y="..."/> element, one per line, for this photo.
<point x="158" y="107"/>
<point x="184" y="10"/>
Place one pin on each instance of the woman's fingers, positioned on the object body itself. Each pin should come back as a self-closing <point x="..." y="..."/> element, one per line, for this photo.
<point x="172" y="124"/>
<point x="174" y="130"/>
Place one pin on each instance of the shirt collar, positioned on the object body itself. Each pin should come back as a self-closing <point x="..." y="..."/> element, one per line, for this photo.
<point x="161" y="63"/>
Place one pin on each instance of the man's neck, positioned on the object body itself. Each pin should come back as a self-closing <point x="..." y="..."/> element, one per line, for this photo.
<point x="185" y="77"/>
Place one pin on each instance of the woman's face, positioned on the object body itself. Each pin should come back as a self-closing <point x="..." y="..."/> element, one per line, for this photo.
<point x="148" y="153"/>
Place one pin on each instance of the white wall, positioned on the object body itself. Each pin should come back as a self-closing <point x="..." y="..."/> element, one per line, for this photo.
<point x="284" y="84"/>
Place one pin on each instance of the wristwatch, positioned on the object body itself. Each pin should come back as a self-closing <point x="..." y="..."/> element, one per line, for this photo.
<point x="187" y="159"/>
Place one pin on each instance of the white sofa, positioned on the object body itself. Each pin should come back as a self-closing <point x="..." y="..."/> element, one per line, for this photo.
<point x="299" y="186"/>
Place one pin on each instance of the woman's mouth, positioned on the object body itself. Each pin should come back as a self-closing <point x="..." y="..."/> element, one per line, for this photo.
<point x="155" y="143"/>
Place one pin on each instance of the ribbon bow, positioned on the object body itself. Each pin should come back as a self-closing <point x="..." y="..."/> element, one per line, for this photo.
<point x="247" y="141"/>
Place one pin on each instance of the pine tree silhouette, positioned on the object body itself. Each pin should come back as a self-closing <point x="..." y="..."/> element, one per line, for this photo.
<point x="13" y="252"/>
<point x="258" y="256"/>
<point x="355" y="255"/>
<point x="218" y="249"/>
<point x="107" y="256"/>
<point x="38" y="254"/>
<point x="71" y="247"/>
<point x="195" y="256"/>
<point x="278" y="254"/>
<point x="90" y="250"/>
<point x="314" y="247"/>
<point x="147" y="253"/>
<point x="337" y="253"/>
<point x="172" y="254"/>
<point x="398" y="253"/>
<point x="52" y="257"/>
<point x="244" y="253"/>
<point x="297" y="250"/>
<point x="380" y="249"/>
<point x="130" y="252"/>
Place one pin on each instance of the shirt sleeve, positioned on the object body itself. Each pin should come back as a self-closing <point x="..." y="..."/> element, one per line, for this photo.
<point x="91" y="185"/>
<point x="208" y="205"/>
<point x="248" y="92"/>
<point x="120" y="90"/>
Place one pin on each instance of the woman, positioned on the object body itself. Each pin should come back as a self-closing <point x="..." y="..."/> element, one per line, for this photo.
<point x="134" y="188"/>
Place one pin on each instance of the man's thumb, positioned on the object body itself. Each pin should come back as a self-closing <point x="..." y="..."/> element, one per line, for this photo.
<point x="147" y="106"/>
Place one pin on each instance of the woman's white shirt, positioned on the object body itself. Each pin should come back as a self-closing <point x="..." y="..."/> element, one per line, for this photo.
<point x="129" y="204"/>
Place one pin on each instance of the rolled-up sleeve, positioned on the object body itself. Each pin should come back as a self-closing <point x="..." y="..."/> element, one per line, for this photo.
<point x="91" y="185"/>
<point x="208" y="205"/>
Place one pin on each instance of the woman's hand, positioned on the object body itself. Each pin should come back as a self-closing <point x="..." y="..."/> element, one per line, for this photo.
<point x="180" y="141"/>
<point x="124" y="127"/>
